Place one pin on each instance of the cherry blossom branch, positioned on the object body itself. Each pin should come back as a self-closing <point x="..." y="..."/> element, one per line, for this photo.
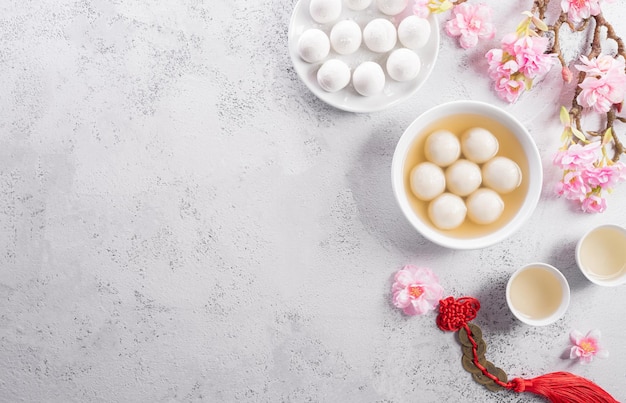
<point x="588" y="170"/>
<point x="596" y="49"/>
<point x="530" y="52"/>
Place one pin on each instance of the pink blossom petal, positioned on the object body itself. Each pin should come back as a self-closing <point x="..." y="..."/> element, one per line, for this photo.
<point x="403" y="278"/>
<point x="575" y="336"/>
<point x="593" y="334"/>
<point x="468" y="41"/>
<point x="401" y="299"/>
<point x="575" y="352"/>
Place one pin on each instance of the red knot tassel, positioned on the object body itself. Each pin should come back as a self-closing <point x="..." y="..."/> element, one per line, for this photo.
<point x="563" y="387"/>
<point x="558" y="387"/>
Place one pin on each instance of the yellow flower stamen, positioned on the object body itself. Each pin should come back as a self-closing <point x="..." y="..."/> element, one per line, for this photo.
<point x="587" y="346"/>
<point x="416" y="291"/>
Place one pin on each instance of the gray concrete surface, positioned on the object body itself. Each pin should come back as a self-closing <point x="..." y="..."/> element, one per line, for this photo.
<point x="182" y="220"/>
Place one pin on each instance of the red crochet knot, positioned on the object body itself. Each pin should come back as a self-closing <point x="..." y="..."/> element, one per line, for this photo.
<point x="518" y="385"/>
<point x="454" y="314"/>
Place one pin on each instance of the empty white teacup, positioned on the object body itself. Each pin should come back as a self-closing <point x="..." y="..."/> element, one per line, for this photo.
<point x="601" y="255"/>
<point x="538" y="294"/>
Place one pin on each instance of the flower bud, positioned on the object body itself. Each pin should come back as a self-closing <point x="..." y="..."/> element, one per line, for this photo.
<point x="567" y="75"/>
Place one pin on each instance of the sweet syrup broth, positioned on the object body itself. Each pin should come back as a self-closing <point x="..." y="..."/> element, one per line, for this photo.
<point x="536" y="293"/>
<point x="509" y="147"/>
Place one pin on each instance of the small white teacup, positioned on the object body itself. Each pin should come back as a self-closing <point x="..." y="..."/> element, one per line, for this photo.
<point x="538" y="294"/>
<point x="601" y="255"/>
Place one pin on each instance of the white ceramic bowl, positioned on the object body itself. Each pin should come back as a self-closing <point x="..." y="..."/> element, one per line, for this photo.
<point x="601" y="255"/>
<point x="532" y="179"/>
<point x="536" y="292"/>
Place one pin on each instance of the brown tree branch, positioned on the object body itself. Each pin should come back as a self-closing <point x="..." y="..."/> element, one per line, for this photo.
<point x="575" y="111"/>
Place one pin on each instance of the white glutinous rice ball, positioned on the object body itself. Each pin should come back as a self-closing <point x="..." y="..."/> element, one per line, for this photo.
<point x="325" y="11"/>
<point x="380" y="35"/>
<point x="403" y="64"/>
<point x="502" y="175"/>
<point x="442" y="147"/>
<point x="427" y="181"/>
<point x="313" y="45"/>
<point x="345" y="37"/>
<point x="414" y="32"/>
<point x="358" y="5"/>
<point x="333" y="76"/>
<point x="479" y="145"/>
<point x="368" y="79"/>
<point x="463" y="177"/>
<point x="392" y="7"/>
<point x="484" y="206"/>
<point x="447" y="211"/>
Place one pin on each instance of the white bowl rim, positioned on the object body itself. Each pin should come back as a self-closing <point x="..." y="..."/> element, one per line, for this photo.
<point x="559" y="313"/>
<point x="494" y="112"/>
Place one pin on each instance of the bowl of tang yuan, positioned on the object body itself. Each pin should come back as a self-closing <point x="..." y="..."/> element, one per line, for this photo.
<point x="466" y="174"/>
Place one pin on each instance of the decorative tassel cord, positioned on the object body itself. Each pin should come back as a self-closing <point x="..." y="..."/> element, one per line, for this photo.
<point x="558" y="387"/>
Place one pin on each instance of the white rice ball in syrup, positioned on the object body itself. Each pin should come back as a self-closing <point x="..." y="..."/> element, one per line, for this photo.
<point x="484" y="206"/>
<point x="442" y="147"/>
<point x="447" y="211"/>
<point x="427" y="181"/>
<point x="479" y="145"/>
<point x="463" y="177"/>
<point x="502" y="175"/>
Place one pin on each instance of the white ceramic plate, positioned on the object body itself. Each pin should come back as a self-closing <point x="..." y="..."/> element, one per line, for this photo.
<point x="348" y="99"/>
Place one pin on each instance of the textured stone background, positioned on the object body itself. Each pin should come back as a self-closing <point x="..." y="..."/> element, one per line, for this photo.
<point x="182" y="220"/>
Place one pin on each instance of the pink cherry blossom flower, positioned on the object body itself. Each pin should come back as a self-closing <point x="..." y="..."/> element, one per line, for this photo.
<point x="585" y="348"/>
<point x="494" y="57"/>
<point x="470" y="23"/>
<point x="416" y="290"/>
<point x="529" y="52"/>
<point x="508" y="42"/>
<point x="498" y="67"/>
<point x="593" y="203"/>
<point x="601" y="65"/>
<point x="577" y="155"/>
<point x="604" y="177"/>
<point x="578" y="10"/>
<point x="604" y="84"/>
<point x="509" y="89"/>
<point x="572" y="186"/>
<point x="420" y="8"/>
<point x="587" y="174"/>
<point x="517" y="63"/>
<point x="601" y="93"/>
